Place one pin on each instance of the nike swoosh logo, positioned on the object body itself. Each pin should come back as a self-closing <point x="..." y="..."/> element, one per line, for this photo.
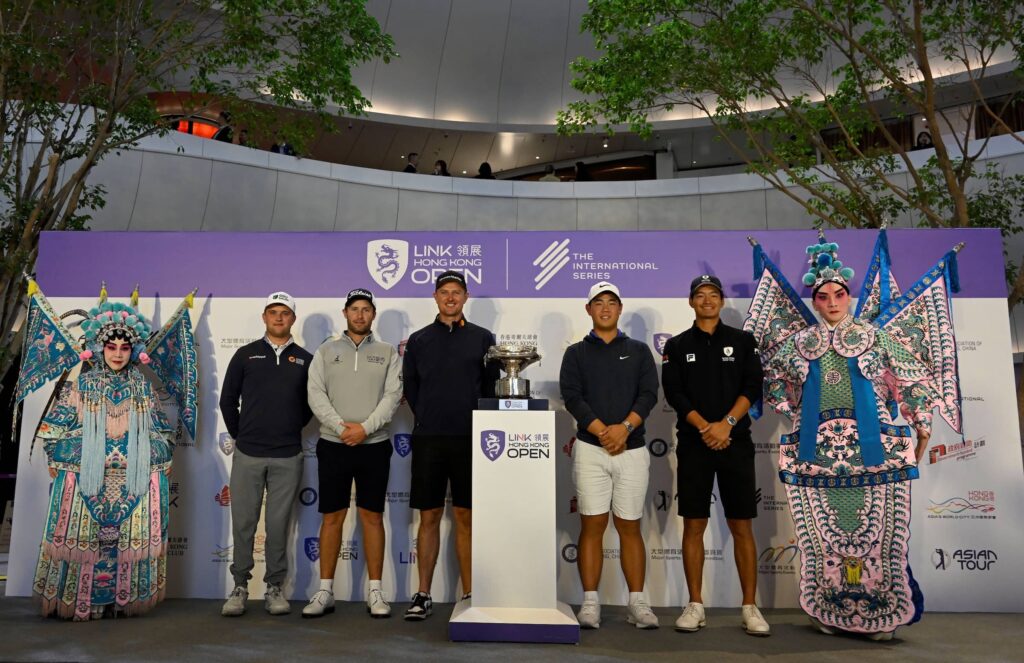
<point x="626" y="357"/>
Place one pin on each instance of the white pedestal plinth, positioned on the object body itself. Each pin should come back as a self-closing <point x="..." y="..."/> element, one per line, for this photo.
<point x="515" y="548"/>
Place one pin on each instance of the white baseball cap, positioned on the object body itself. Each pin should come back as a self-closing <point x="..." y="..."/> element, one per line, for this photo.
<point x="602" y="287"/>
<point x="282" y="298"/>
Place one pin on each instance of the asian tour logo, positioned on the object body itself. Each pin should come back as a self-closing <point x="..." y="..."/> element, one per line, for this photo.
<point x="492" y="442"/>
<point x="964" y="559"/>
<point x="223" y="496"/>
<point x="387" y="260"/>
<point x="550" y="261"/>
<point x="403" y="444"/>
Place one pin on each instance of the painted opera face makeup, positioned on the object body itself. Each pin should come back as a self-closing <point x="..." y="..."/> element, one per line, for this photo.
<point x="832" y="302"/>
<point x="117" y="354"/>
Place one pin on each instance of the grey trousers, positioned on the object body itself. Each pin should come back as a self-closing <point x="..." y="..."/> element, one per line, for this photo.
<point x="250" y="476"/>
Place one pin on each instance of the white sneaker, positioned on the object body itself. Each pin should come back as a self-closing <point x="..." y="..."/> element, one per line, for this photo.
<point x="376" y="605"/>
<point x="589" y="615"/>
<point x="827" y="630"/>
<point x="641" y="615"/>
<point x="881" y="636"/>
<point x="754" y="622"/>
<point x="692" y="618"/>
<point x="275" y="602"/>
<point x="321" y="604"/>
<point x="235" y="605"/>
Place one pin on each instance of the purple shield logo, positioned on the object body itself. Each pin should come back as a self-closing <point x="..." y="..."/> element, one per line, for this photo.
<point x="226" y="444"/>
<point x="493" y="443"/>
<point x="312" y="547"/>
<point x="659" y="342"/>
<point x="403" y="444"/>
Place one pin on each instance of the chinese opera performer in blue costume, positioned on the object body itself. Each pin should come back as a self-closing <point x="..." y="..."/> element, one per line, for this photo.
<point x="108" y="447"/>
<point x="848" y="463"/>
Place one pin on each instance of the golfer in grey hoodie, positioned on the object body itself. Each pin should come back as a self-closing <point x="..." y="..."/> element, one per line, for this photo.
<point x="354" y="389"/>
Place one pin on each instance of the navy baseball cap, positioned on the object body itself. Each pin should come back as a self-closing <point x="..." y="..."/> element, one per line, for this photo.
<point x="706" y="279"/>
<point x="451" y="276"/>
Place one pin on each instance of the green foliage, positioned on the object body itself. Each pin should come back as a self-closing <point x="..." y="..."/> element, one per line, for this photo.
<point x="78" y="79"/>
<point x="811" y="94"/>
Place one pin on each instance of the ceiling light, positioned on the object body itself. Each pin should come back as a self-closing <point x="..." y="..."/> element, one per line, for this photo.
<point x="605" y="143"/>
<point x="463" y="172"/>
<point x="536" y="157"/>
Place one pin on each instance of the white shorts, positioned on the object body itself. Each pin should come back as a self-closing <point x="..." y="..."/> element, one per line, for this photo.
<point x="610" y="483"/>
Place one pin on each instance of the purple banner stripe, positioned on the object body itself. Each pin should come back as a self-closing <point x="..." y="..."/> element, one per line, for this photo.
<point x="497" y="264"/>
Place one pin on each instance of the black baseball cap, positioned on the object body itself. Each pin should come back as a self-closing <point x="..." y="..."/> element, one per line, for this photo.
<point x="451" y="276"/>
<point x="706" y="279"/>
<point x="357" y="294"/>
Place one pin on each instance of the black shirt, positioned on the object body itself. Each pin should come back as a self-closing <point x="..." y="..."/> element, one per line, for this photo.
<point x="708" y="372"/>
<point x="607" y="381"/>
<point x="443" y="375"/>
<point x="273" y="393"/>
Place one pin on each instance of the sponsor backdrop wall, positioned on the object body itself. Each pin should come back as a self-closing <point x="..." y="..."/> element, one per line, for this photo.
<point x="530" y="287"/>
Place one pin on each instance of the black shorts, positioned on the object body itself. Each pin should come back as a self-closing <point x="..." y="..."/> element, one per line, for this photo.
<point x="339" y="464"/>
<point x="737" y="483"/>
<point x="436" y="460"/>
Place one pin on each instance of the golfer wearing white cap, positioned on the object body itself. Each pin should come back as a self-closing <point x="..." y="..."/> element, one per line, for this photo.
<point x="269" y="377"/>
<point x="609" y="384"/>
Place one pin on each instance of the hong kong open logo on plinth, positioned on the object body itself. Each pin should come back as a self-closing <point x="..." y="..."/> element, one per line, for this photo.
<point x="387" y="260"/>
<point x="493" y="443"/>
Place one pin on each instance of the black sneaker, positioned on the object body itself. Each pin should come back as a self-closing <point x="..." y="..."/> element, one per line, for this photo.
<point x="422" y="606"/>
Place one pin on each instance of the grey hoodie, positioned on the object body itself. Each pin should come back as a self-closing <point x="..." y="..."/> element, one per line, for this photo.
<point x="355" y="384"/>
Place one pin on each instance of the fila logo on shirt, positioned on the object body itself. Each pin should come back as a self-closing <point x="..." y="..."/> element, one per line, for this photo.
<point x="727" y="352"/>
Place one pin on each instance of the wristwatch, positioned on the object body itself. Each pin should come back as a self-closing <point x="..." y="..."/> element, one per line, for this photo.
<point x="731" y="420"/>
<point x="629" y="427"/>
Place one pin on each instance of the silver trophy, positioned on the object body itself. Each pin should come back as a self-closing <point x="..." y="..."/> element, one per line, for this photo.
<point x="514" y="358"/>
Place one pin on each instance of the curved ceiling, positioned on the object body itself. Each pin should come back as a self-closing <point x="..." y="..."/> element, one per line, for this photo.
<point x="483" y="80"/>
<point x="476" y="64"/>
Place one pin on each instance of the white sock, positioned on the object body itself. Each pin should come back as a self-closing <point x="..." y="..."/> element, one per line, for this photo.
<point x="590" y="597"/>
<point x="327" y="584"/>
<point x="635" y="596"/>
<point x="374" y="584"/>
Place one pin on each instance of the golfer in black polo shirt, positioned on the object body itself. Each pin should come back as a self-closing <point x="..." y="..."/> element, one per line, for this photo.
<point x="444" y="376"/>
<point x="711" y="374"/>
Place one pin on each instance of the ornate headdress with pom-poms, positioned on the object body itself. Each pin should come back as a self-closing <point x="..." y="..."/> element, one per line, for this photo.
<point x="107" y="320"/>
<point x="825" y="266"/>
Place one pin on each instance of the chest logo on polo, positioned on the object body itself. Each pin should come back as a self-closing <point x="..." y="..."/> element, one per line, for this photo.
<point x="375" y="359"/>
<point x="336" y="360"/>
<point x="727" y="351"/>
<point x="690" y="358"/>
<point x="295" y="360"/>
